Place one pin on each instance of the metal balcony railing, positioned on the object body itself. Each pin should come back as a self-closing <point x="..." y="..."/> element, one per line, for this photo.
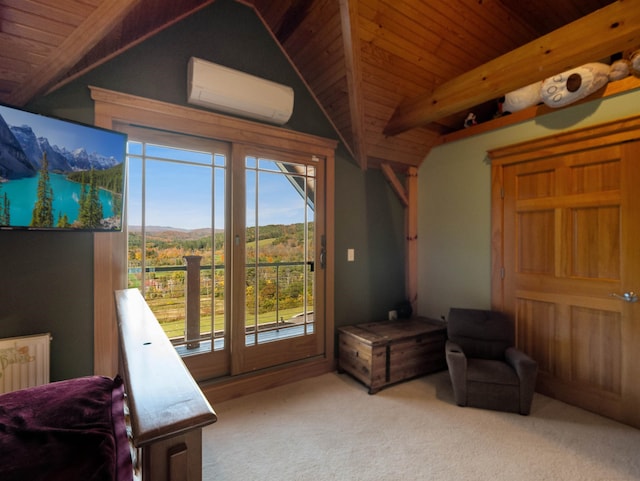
<point x="182" y="333"/>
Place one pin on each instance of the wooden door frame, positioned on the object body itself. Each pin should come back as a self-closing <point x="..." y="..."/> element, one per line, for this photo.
<point x="602" y="135"/>
<point x="620" y="135"/>
<point x="113" y="108"/>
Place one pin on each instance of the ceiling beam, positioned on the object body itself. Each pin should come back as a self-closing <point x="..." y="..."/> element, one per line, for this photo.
<point x="292" y="18"/>
<point x="351" y="36"/>
<point x="73" y="48"/>
<point x="136" y="27"/>
<point x="609" y="30"/>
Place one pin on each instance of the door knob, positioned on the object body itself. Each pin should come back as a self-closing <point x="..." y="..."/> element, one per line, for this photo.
<point x="627" y="296"/>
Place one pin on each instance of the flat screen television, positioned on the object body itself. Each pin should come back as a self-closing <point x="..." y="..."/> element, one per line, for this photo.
<point x="58" y="174"/>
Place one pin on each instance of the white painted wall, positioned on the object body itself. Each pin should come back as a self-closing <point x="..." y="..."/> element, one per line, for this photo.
<point x="454" y="256"/>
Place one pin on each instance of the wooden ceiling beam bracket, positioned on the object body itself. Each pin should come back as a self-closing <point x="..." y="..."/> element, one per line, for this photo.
<point x="397" y="186"/>
<point x="609" y="30"/>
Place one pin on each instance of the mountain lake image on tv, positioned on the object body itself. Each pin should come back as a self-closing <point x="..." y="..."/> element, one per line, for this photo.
<point x="59" y="175"/>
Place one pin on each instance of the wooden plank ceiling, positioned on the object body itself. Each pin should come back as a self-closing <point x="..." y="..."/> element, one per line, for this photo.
<point x="371" y="64"/>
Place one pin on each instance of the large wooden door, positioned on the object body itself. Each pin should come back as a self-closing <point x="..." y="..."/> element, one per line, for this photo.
<point x="570" y="251"/>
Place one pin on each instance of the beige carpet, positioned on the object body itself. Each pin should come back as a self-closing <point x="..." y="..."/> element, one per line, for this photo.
<point x="329" y="428"/>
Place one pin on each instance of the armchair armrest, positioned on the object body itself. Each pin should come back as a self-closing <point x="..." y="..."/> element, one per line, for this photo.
<point x="527" y="370"/>
<point x="457" y="363"/>
<point x="525" y="367"/>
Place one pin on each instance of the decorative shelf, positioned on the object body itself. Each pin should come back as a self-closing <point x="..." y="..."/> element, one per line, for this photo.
<point x="612" y="88"/>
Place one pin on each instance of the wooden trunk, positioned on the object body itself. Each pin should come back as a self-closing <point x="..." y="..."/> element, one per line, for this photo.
<point x="382" y="353"/>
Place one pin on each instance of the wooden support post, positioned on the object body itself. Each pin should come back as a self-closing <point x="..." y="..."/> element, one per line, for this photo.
<point x="408" y="195"/>
<point x="192" y="296"/>
<point x="411" y="226"/>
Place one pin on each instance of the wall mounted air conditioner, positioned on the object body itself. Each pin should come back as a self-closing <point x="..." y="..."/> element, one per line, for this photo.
<point x="221" y="88"/>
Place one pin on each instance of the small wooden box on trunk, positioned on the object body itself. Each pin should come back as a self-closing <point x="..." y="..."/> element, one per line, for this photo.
<point x="382" y="353"/>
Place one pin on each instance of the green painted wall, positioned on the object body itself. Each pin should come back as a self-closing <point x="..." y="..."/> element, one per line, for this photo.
<point x="46" y="285"/>
<point x="46" y="279"/>
<point x="369" y="219"/>
<point x="455" y="202"/>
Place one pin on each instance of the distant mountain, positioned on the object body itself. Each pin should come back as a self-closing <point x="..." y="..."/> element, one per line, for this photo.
<point x="24" y="153"/>
<point x="14" y="162"/>
<point x="157" y="228"/>
<point x="80" y="159"/>
<point x="165" y="232"/>
<point x="34" y="147"/>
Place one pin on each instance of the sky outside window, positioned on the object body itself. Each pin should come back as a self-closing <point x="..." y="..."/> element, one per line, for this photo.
<point x="178" y="195"/>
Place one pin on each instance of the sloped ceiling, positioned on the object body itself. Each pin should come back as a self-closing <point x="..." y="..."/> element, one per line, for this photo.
<point x="392" y="76"/>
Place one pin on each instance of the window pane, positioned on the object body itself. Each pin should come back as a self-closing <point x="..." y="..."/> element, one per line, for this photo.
<point x="176" y="207"/>
<point x="220" y="160"/>
<point x="279" y="252"/>
<point x="134" y="221"/>
<point x="219" y="266"/>
<point x="177" y="195"/>
<point x="170" y="153"/>
<point x="134" y="148"/>
<point x="264" y="164"/>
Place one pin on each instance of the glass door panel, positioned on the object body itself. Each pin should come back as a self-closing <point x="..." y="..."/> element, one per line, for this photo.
<point x="177" y="241"/>
<point x="280" y="261"/>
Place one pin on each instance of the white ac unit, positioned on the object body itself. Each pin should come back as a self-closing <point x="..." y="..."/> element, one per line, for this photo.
<point x="221" y="88"/>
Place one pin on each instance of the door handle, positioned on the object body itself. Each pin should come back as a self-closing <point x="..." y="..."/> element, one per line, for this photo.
<point x="627" y="296"/>
<point x="323" y="252"/>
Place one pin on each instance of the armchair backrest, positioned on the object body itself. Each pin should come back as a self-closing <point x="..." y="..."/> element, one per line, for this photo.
<point x="480" y="333"/>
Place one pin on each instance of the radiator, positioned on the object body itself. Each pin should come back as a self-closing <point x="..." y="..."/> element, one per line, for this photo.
<point x="24" y="362"/>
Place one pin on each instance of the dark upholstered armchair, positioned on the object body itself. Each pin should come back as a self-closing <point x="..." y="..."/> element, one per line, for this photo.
<point x="486" y="370"/>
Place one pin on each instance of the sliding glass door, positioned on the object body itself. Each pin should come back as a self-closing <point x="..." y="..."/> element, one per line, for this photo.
<point x="226" y="242"/>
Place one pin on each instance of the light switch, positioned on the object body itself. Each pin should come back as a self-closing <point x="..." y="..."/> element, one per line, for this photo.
<point x="351" y="255"/>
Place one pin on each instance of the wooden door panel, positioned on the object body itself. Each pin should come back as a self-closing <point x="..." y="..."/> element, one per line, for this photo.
<point x="569" y="223"/>
<point x="537" y="332"/>
<point x="594" y="245"/>
<point x="596" y="344"/>
<point x="535" y="185"/>
<point x="536" y="242"/>
<point x="559" y="331"/>
<point x="598" y="176"/>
